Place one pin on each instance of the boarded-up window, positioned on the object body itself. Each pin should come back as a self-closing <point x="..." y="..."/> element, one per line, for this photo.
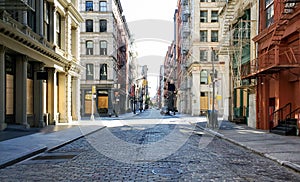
<point x="29" y="96"/>
<point x="9" y="94"/>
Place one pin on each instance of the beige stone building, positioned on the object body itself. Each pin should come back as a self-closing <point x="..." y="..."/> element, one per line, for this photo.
<point x="39" y="62"/>
<point x="104" y="44"/>
<point x="198" y="36"/>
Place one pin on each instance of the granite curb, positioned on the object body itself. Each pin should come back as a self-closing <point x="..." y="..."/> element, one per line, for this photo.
<point x="288" y="164"/>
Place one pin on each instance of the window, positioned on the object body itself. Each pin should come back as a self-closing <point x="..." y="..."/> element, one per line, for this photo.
<point x="214" y="55"/>
<point x="214" y="36"/>
<point x="89" y="47"/>
<point x="213" y="1"/>
<point x="214" y="16"/>
<point x="203" y="55"/>
<point x="103" y="25"/>
<point x="89" y="72"/>
<point x="269" y="12"/>
<point x="58" y="29"/>
<point x="103" y="6"/>
<point x="203" y="77"/>
<point x="89" y="25"/>
<point x="103" y="47"/>
<point x="89" y="6"/>
<point x="46" y="20"/>
<point x="103" y="72"/>
<point x="203" y="16"/>
<point x="203" y="36"/>
<point x="203" y="0"/>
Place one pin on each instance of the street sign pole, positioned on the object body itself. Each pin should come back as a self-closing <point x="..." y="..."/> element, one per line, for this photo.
<point x="93" y="91"/>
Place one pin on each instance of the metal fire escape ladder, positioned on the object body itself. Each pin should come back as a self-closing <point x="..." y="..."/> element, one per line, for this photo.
<point x="228" y="11"/>
<point x="282" y="22"/>
<point x="240" y="40"/>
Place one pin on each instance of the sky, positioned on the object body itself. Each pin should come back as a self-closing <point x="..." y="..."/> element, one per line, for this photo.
<point x="152" y="27"/>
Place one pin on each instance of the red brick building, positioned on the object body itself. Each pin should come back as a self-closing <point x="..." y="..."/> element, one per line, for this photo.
<point x="277" y="67"/>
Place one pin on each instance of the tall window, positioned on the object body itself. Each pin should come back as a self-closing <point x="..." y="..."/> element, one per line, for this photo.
<point x="203" y="16"/>
<point x="103" y="25"/>
<point x="89" y="47"/>
<point x="203" y="77"/>
<point x="214" y="36"/>
<point x="269" y="12"/>
<point x="89" y="6"/>
<point x="203" y="55"/>
<point x="103" y="47"/>
<point x="203" y="35"/>
<point x="214" y="16"/>
<point x="46" y="20"/>
<point x="58" y="29"/>
<point x="89" y="72"/>
<point x="103" y="6"/>
<point x="103" y="72"/>
<point x="89" y="25"/>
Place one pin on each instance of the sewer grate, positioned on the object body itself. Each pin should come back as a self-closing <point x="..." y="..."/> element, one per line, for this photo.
<point x="166" y="171"/>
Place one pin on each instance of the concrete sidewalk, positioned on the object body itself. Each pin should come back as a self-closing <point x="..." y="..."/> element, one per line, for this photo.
<point x="283" y="149"/>
<point x="18" y="144"/>
<point x="20" y="148"/>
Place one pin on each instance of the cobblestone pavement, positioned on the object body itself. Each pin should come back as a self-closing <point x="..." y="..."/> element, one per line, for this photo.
<point x="199" y="158"/>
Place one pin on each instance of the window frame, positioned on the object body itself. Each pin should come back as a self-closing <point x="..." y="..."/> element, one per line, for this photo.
<point x="214" y="36"/>
<point x="103" y="50"/>
<point x="89" y="50"/>
<point x="204" y="19"/>
<point x="89" y="8"/>
<point x="203" y="55"/>
<point x="58" y="29"/>
<point x="89" y="71"/>
<point x="89" y="27"/>
<point x="102" y="29"/>
<point x="101" y="7"/>
<point x="103" y="72"/>
<point x="203" y="38"/>
<point x="269" y="9"/>
<point x="214" y="19"/>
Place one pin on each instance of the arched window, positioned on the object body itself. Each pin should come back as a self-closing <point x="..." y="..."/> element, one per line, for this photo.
<point x="203" y="77"/>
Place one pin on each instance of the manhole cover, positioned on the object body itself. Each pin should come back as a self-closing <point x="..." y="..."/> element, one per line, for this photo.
<point x="166" y="171"/>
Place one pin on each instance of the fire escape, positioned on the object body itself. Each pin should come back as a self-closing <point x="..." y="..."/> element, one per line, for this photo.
<point x="274" y="59"/>
<point x="16" y="4"/>
<point x="228" y="11"/>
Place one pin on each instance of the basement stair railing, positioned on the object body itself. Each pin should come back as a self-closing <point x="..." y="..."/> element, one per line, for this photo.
<point x="277" y="116"/>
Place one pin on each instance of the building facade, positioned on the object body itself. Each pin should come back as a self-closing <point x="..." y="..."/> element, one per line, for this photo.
<point x="40" y="68"/>
<point x="200" y="70"/>
<point x="105" y="40"/>
<point x="277" y="65"/>
<point x="239" y="22"/>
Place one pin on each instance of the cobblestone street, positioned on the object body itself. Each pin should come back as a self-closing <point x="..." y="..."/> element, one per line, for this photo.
<point x="146" y="152"/>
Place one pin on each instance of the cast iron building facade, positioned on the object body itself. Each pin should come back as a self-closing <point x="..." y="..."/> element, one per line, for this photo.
<point x="104" y="55"/>
<point x="39" y="62"/>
